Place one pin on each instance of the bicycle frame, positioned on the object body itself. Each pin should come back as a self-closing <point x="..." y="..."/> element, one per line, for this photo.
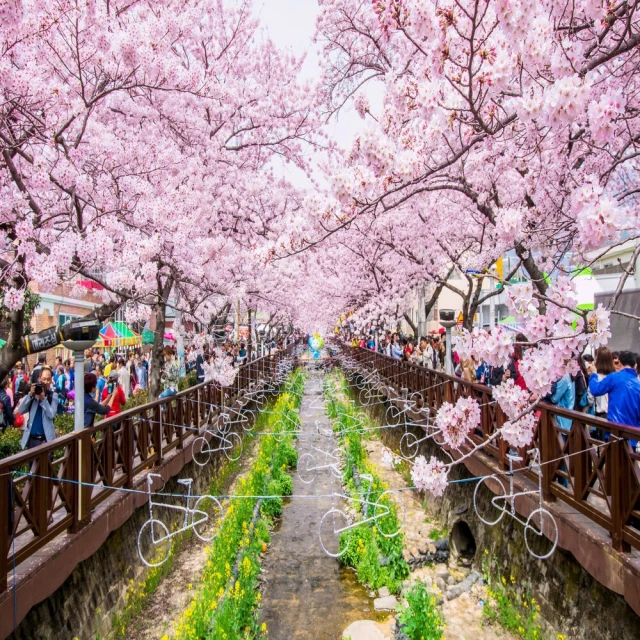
<point x="186" y="510"/>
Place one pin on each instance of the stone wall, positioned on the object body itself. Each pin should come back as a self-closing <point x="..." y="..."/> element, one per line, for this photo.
<point x="571" y="600"/>
<point x="84" y="606"/>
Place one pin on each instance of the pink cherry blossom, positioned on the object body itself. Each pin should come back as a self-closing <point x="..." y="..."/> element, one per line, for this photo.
<point x="429" y="476"/>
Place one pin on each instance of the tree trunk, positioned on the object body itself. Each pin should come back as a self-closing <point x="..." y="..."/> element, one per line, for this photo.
<point x="157" y="359"/>
<point x="471" y="306"/>
<point x="413" y="326"/>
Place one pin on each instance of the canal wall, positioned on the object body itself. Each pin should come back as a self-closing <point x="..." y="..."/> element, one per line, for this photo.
<point x="571" y="600"/>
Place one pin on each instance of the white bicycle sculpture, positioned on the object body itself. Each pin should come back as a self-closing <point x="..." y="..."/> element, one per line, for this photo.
<point x="308" y="467"/>
<point x="230" y="443"/>
<point x="335" y="522"/>
<point x="540" y="524"/>
<point x="154" y="538"/>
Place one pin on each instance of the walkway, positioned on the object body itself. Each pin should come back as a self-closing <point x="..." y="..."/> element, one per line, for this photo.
<point x="307" y="594"/>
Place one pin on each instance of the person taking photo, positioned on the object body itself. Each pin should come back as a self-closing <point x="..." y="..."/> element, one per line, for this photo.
<point x="114" y="389"/>
<point x="41" y="403"/>
<point x="91" y="406"/>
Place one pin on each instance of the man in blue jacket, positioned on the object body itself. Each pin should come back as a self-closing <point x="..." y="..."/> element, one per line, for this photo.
<point x="623" y="388"/>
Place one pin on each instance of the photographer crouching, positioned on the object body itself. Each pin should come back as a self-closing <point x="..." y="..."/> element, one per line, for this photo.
<point x="41" y="403"/>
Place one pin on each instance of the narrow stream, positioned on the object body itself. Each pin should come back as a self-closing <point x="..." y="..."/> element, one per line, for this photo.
<point x="308" y="594"/>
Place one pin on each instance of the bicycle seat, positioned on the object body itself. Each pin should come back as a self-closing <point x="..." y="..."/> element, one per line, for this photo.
<point x="186" y="482"/>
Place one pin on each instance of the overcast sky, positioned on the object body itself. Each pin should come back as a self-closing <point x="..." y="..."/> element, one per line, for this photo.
<point x="291" y="25"/>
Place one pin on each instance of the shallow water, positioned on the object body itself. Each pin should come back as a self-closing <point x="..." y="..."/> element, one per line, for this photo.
<point x="308" y="594"/>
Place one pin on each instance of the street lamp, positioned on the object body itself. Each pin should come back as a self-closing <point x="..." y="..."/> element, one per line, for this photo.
<point x="80" y="335"/>
<point x="448" y="321"/>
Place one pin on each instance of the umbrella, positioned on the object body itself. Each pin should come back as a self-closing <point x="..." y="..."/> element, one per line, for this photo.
<point x="117" y="334"/>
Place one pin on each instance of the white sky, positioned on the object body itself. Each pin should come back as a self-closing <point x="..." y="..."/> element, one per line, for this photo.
<point x="291" y="25"/>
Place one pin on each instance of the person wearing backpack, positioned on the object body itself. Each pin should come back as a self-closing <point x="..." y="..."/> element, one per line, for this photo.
<point x="62" y="387"/>
<point x="6" y="412"/>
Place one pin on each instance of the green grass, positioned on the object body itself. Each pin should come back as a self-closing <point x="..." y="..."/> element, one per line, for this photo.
<point x="365" y="544"/>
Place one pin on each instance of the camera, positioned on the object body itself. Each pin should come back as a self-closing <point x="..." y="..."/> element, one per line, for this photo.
<point x="38" y="390"/>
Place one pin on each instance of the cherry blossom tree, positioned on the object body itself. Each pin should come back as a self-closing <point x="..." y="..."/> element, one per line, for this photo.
<point x="504" y="127"/>
<point x="135" y="139"/>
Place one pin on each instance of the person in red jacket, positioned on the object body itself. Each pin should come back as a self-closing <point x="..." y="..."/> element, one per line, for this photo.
<point x="119" y="399"/>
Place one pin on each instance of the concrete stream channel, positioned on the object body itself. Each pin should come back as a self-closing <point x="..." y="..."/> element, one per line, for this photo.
<point x="306" y="593"/>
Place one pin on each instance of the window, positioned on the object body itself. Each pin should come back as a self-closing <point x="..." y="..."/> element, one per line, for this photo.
<point x="63" y="318"/>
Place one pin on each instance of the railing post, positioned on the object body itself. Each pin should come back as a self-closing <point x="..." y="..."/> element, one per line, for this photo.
<point x="126" y="446"/>
<point x="6" y="529"/>
<point x="179" y="420"/>
<point x="618" y="501"/>
<point x="157" y="434"/>
<point x="547" y="453"/>
<point x="580" y="459"/>
<point x="39" y="499"/>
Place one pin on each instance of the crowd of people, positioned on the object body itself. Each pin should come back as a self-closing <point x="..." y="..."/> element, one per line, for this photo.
<point x="31" y="401"/>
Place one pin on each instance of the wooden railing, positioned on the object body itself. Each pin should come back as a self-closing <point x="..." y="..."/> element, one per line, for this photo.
<point x="593" y="466"/>
<point x="39" y="488"/>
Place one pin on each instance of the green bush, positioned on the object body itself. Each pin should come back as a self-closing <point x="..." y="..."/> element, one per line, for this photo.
<point x="286" y="484"/>
<point x="421" y="620"/>
<point x="10" y="442"/>
<point x="272" y="507"/>
<point x="63" y="423"/>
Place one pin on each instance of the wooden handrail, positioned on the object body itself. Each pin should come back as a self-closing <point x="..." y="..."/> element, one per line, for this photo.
<point x="55" y="487"/>
<point x="597" y="476"/>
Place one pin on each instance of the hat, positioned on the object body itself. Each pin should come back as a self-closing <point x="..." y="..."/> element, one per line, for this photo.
<point x="113" y="375"/>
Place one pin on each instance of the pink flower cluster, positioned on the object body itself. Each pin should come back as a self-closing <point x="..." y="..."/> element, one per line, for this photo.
<point x="429" y="476"/>
<point x="514" y="401"/>
<point x="457" y="421"/>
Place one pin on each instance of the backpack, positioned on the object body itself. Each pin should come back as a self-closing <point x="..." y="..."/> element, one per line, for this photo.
<point x="63" y="400"/>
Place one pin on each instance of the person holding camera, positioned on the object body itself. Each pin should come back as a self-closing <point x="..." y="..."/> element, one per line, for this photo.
<point x="41" y="403"/>
<point x="92" y="406"/>
<point x="114" y="390"/>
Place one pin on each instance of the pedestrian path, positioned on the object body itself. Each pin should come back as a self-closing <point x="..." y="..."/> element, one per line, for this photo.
<point x="307" y="594"/>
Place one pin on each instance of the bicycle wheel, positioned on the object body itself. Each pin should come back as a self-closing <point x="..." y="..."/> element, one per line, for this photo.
<point x="389" y="524"/>
<point x="201" y="451"/>
<point x="232" y="446"/>
<point x="332" y="524"/>
<point x="490" y="510"/>
<point x="408" y="445"/>
<point x="392" y="414"/>
<point x="541" y="534"/>
<point x="204" y="517"/>
<point x="307" y="468"/>
<point x="154" y="543"/>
